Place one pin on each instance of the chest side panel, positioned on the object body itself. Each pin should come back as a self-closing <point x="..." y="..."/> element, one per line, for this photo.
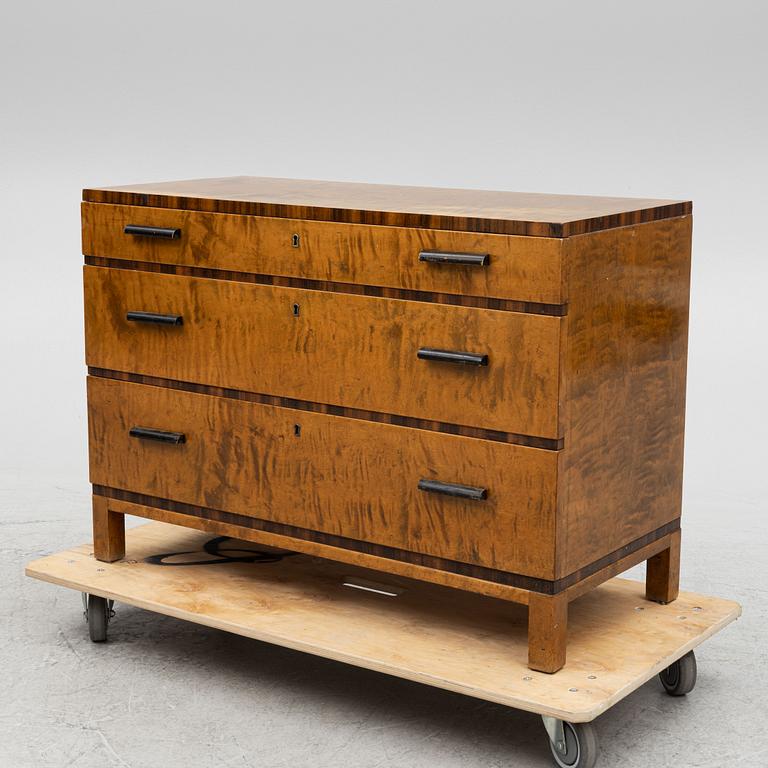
<point x="624" y="374"/>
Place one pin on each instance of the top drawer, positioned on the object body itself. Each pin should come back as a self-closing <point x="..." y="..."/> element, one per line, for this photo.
<point x="516" y="268"/>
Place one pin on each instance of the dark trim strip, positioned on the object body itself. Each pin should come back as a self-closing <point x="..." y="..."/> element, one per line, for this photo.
<point x="391" y="218"/>
<point x="483" y="302"/>
<point x="520" y="581"/>
<point x="531" y="441"/>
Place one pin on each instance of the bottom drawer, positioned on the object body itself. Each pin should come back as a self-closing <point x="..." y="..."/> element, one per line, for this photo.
<point x="357" y="479"/>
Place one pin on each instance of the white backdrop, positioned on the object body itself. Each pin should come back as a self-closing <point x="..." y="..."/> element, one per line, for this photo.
<point x="656" y="99"/>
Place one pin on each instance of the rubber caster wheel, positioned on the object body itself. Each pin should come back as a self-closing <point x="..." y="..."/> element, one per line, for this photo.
<point x="98" y="612"/>
<point x="680" y="678"/>
<point x="575" y="746"/>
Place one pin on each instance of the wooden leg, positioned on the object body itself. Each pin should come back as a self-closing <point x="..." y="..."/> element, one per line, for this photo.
<point x="547" y="632"/>
<point x="662" y="579"/>
<point x="108" y="531"/>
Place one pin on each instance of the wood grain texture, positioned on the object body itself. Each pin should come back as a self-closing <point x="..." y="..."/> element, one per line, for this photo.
<point x="547" y="632"/>
<point x="662" y="580"/>
<point x="352" y="479"/>
<point x="333" y="410"/>
<point x="441" y="637"/>
<point x="346" y="350"/>
<point x="506" y="305"/>
<point x="310" y="420"/>
<point x="585" y="579"/>
<point x="389" y="559"/>
<point x="507" y="213"/>
<point x="108" y="531"/>
<point x="524" y="269"/>
<point x="624" y="370"/>
<point x="213" y="522"/>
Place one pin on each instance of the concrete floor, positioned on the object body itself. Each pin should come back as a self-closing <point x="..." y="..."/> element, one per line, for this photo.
<point x="164" y="692"/>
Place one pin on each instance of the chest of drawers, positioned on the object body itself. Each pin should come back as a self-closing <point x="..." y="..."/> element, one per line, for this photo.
<point x="483" y="390"/>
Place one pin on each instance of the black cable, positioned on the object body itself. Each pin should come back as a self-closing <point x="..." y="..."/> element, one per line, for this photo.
<point x="214" y="548"/>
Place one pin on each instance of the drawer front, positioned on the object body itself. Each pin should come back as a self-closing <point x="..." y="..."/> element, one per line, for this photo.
<point x="346" y="350"/>
<point x="517" y="268"/>
<point x="342" y="476"/>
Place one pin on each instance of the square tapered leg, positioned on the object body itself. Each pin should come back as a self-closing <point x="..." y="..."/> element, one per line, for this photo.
<point x="108" y="531"/>
<point x="662" y="579"/>
<point x="547" y="632"/>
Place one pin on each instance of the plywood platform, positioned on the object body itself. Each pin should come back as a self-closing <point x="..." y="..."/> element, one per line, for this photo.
<point x="434" y="635"/>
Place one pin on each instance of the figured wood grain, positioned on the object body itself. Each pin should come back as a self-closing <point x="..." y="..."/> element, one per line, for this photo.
<point x="392" y="559"/>
<point x="441" y="637"/>
<point x="644" y="549"/>
<point x="624" y="371"/>
<point x="353" y="479"/>
<point x="428" y="569"/>
<point x="522" y="269"/>
<point x="508" y="305"/>
<point x="334" y="410"/>
<point x="389" y="559"/>
<point x="508" y="213"/>
<point x="308" y="296"/>
<point x="346" y="350"/>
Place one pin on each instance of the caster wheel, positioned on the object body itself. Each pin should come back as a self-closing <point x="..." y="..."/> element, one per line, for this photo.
<point x="98" y="613"/>
<point x="578" y="749"/>
<point x="680" y="678"/>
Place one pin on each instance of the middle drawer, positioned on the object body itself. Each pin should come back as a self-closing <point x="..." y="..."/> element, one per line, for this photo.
<point x="362" y="352"/>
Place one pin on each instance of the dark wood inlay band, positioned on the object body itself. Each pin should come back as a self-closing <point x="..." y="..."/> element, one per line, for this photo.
<point x="531" y="441"/>
<point x="507" y="305"/>
<point x="470" y="216"/>
<point x="542" y="586"/>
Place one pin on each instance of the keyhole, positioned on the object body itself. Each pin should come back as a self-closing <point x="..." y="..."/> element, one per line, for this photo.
<point x="295" y="241"/>
<point x="295" y="310"/>
<point x="297" y="430"/>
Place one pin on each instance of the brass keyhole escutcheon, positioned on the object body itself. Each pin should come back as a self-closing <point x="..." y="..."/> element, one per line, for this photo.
<point x="295" y="241"/>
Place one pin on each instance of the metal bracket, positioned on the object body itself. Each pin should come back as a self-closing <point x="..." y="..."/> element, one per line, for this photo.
<point x="110" y="608"/>
<point x="556" y="733"/>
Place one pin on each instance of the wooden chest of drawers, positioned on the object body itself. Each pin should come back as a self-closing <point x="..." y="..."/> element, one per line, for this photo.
<point x="483" y="390"/>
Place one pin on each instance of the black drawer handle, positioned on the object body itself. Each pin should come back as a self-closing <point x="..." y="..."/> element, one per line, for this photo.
<point x="446" y="356"/>
<point x="146" y="433"/>
<point x="154" y="317"/>
<point x="453" y="489"/>
<point x="443" y="257"/>
<point x="165" y="233"/>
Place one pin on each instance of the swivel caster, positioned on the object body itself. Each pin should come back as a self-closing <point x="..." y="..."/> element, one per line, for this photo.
<point x="98" y="611"/>
<point x="680" y="678"/>
<point x="573" y="745"/>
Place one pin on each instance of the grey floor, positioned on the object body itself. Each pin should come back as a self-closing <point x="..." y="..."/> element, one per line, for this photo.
<point x="164" y="692"/>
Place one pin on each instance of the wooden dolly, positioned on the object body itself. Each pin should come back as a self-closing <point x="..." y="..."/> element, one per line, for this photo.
<point x="442" y="637"/>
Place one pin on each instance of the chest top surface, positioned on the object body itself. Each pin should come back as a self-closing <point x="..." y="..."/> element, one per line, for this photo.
<point x="472" y="210"/>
